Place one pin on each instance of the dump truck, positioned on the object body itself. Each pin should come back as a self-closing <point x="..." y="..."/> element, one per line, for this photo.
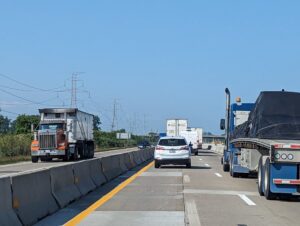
<point x="64" y="133"/>
<point x="268" y="142"/>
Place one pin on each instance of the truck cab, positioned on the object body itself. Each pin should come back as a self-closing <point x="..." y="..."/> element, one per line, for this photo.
<point x="236" y="115"/>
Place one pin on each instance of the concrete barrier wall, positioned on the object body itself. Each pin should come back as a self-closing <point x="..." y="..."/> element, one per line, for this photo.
<point x="27" y="198"/>
<point x="96" y="172"/>
<point x="7" y="215"/>
<point x="123" y="166"/>
<point x="137" y="157"/>
<point x="63" y="185"/>
<point x="111" y="167"/>
<point x="129" y="161"/>
<point x="83" y="179"/>
<point x="32" y="196"/>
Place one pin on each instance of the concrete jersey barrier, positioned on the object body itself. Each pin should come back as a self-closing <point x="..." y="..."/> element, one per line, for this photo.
<point x="63" y="185"/>
<point x="7" y="215"/>
<point x="123" y="166"/>
<point x="83" y="179"/>
<point x="111" y="167"/>
<point x="137" y="157"/>
<point x="129" y="161"/>
<point x="96" y="172"/>
<point x="32" y="196"/>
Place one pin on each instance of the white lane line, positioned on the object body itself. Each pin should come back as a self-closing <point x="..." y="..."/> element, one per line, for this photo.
<point x="247" y="200"/>
<point x="192" y="215"/>
<point x="218" y="175"/>
<point x="207" y="165"/>
<point x="218" y="192"/>
<point x="200" y="159"/>
<point x="186" y="179"/>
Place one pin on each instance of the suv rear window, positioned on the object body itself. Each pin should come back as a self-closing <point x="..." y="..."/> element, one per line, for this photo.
<point x="172" y="142"/>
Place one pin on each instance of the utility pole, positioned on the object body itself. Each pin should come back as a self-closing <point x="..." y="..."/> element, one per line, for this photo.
<point x="114" y="119"/>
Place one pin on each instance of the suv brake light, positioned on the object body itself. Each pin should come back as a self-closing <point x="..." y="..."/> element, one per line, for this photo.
<point x="159" y="148"/>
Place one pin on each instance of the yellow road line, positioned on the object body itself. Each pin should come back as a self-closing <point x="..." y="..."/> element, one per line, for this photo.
<point x="76" y="220"/>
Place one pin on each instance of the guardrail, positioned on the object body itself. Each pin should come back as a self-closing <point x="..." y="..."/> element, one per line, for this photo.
<point x="27" y="198"/>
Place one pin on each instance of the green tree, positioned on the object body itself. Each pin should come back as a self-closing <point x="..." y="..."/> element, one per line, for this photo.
<point x="97" y="123"/>
<point x="22" y="124"/>
<point x="4" y="124"/>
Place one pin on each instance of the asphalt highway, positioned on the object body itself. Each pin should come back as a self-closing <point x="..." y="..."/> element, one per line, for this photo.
<point x="202" y="196"/>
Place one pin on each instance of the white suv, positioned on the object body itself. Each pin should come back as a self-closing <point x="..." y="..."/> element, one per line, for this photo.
<point x="172" y="150"/>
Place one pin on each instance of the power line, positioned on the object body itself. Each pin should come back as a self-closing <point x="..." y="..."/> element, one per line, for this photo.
<point x="30" y="86"/>
<point x="9" y="112"/>
<point x="22" y="98"/>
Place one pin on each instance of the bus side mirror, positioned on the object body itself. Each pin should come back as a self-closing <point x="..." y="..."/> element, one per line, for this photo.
<point x="222" y="124"/>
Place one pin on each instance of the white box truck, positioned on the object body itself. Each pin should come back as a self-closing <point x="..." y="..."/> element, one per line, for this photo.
<point x="194" y="138"/>
<point x="175" y="126"/>
<point x="65" y="133"/>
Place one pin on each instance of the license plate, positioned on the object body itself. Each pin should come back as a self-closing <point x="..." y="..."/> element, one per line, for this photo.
<point x="172" y="151"/>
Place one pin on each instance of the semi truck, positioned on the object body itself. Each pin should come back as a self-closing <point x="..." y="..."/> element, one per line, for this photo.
<point x="64" y="133"/>
<point x="268" y="142"/>
<point x="175" y="126"/>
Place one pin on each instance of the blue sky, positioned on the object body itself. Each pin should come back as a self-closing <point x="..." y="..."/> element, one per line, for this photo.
<point x="158" y="59"/>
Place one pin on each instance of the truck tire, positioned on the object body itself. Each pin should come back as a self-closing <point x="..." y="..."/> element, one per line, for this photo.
<point x="66" y="158"/>
<point x="91" y="148"/>
<point x="232" y="173"/>
<point x="260" y="177"/>
<point x="34" y="159"/>
<point x="156" y="164"/>
<point x="189" y="165"/>
<point x="226" y="167"/>
<point x="268" y="194"/>
<point x="75" y="155"/>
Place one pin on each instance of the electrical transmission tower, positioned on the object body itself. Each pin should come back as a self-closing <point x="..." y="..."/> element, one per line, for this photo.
<point x="114" y="119"/>
<point x="74" y="91"/>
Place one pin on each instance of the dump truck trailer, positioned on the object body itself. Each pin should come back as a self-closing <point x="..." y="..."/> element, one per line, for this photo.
<point x="64" y="133"/>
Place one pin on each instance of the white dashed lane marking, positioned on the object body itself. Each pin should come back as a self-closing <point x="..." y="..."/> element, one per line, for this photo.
<point x="218" y="175"/>
<point x="186" y="179"/>
<point x="247" y="200"/>
<point x="207" y="165"/>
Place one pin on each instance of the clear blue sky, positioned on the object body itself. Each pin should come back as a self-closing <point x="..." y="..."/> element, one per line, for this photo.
<point x="159" y="59"/>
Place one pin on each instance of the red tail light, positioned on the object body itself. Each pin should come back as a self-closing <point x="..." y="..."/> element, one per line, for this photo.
<point x="159" y="148"/>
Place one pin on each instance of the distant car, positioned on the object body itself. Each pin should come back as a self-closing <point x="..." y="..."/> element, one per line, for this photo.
<point x="172" y="150"/>
<point x="144" y="144"/>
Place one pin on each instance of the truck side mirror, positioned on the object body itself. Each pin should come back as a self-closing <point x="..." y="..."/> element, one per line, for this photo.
<point x="222" y="124"/>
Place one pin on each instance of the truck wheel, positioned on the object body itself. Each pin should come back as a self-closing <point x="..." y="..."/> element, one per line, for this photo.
<point x="268" y="194"/>
<point x="260" y="178"/>
<point x="66" y="158"/>
<point x="34" y="159"/>
<point x="232" y="173"/>
<point x="156" y="164"/>
<point x="225" y="167"/>
<point x="75" y="155"/>
<point x="196" y="153"/>
<point x="189" y="165"/>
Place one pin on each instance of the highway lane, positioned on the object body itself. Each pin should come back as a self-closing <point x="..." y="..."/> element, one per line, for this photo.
<point x="203" y="195"/>
<point x="11" y="169"/>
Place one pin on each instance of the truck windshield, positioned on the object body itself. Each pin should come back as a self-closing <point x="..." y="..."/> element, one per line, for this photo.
<point x="51" y="126"/>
